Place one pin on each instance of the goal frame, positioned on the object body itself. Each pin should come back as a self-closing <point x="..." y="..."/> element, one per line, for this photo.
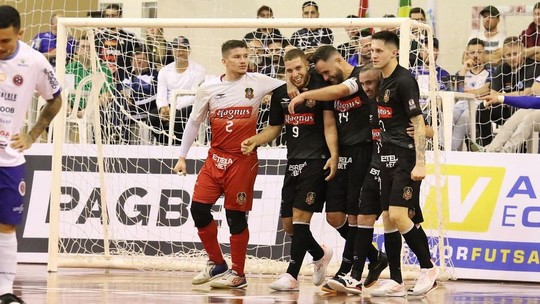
<point x="107" y="261"/>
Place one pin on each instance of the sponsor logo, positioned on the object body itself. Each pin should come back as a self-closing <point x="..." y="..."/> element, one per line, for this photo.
<point x="310" y="198"/>
<point x="384" y="112"/>
<point x="343" y="162"/>
<point x="241" y="198"/>
<point x="5" y="134"/>
<point x="5" y="109"/>
<point x="221" y="162"/>
<point x="22" y="63"/>
<point x="300" y="119"/>
<point x="18" y="80"/>
<point x="19" y="209"/>
<point x="376" y="134"/>
<point x="407" y="193"/>
<point x="219" y="96"/>
<point x="346" y="105"/>
<point x="3" y="144"/>
<point x="53" y="82"/>
<point x="389" y="160"/>
<point x="8" y="96"/>
<point x="234" y="113"/>
<point x="412" y="105"/>
<point x="249" y="93"/>
<point x="296" y="169"/>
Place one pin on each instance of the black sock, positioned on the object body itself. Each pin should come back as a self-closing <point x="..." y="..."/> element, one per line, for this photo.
<point x="299" y="247"/>
<point x="348" y="252"/>
<point x="363" y="244"/>
<point x="392" y="244"/>
<point x="419" y="247"/>
<point x="314" y="249"/>
<point x="424" y="237"/>
<point x="343" y="230"/>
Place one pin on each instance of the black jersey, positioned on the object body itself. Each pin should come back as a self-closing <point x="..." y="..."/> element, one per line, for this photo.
<point x="398" y="102"/>
<point x="375" y="133"/>
<point x="352" y="115"/>
<point x="304" y="130"/>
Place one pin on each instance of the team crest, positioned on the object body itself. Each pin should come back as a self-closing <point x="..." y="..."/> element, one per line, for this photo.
<point x="412" y="212"/>
<point x="407" y="193"/>
<point x="18" y="80"/>
<point x="386" y="95"/>
<point x="310" y="198"/>
<point x="241" y="198"/>
<point x="22" y="188"/>
<point x="310" y="103"/>
<point x="249" y="93"/>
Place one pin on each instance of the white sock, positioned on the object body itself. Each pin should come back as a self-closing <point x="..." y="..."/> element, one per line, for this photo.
<point x="8" y="261"/>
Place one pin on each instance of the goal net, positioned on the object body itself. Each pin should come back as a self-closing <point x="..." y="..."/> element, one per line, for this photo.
<point x="115" y="201"/>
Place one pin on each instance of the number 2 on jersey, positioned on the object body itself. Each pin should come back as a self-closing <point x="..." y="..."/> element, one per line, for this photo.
<point x="229" y="125"/>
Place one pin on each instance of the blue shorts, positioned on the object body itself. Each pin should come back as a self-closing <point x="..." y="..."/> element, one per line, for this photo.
<point x="12" y="189"/>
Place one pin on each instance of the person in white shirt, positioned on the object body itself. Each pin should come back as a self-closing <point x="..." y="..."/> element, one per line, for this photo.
<point x="490" y="34"/>
<point x="182" y="74"/>
<point x="23" y="70"/>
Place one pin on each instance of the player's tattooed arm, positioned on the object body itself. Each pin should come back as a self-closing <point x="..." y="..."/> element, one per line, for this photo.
<point x="49" y="111"/>
<point x="419" y="171"/>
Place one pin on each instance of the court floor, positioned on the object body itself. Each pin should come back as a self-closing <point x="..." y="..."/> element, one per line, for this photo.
<point x="84" y="286"/>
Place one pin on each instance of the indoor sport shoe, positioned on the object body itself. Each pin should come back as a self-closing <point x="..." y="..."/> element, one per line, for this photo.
<point x="346" y="284"/>
<point x="326" y="288"/>
<point x="212" y="271"/>
<point x="10" y="298"/>
<point x="426" y="280"/>
<point x="319" y="267"/>
<point x="390" y="288"/>
<point x="285" y="282"/>
<point x="230" y="279"/>
<point x="375" y="269"/>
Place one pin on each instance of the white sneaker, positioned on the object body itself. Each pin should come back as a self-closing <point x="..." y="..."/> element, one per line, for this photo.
<point x="390" y="288"/>
<point x="319" y="267"/>
<point x="346" y="284"/>
<point x="212" y="271"/>
<point x="284" y="282"/>
<point x="230" y="279"/>
<point x="426" y="280"/>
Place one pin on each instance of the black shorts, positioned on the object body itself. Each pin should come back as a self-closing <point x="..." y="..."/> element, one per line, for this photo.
<point x="344" y="189"/>
<point x="304" y="186"/>
<point x="370" y="195"/>
<point x="397" y="187"/>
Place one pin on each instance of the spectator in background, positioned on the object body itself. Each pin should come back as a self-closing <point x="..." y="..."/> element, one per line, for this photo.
<point x="45" y="42"/>
<point x="348" y="49"/>
<point x="477" y="81"/>
<point x="140" y="91"/>
<point x="182" y="74"/>
<point x="115" y="46"/>
<point x="514" y="77"/>
<point x="363" y="49"/>
<point x="530" y="37"/>
<point x="493" y="39"/>
<point x="421" y="72"/>
<point x="309" y="39"/>
<point x="264" y="12"/>
<point x="256" y="52"/>
<point x="417" y="37"/>
<point x="80" y="68"/>
<point x="157" y="48"/>
<point x="276" y="45"/>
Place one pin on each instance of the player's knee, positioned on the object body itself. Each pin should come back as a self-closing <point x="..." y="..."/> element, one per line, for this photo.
<point x="366" y="220"/>
<point x="201" y="214"/>
<point x="7" y="229"/>
<point x="336" y="219"/>
<point x="237" y="221"/>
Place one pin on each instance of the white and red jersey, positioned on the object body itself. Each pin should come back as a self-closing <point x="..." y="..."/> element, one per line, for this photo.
<point x="232" y="107"/>
<point x="21" y="74"/>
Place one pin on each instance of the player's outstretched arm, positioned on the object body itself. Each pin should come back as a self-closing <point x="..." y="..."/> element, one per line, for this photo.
<point x="268" y="134"/>
<point x="419" y="171"/>
<point x="23" y="141"/>
<point x="331" y="136"/>
<point x="329" y="93"/>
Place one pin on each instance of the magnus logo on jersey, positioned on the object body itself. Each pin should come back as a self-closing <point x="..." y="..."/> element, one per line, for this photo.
<point x="51" y="78"/>
<point x="384" y="112"/>
<point x="234" y="113"/>
<point x="8" y="96"/>
<point x="346" y="105"/>
<point x="300" y="119"/>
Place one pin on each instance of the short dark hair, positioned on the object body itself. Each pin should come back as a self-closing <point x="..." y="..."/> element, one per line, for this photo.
<point x="293" y="54"/>
<point x="116" y="7"/>
<point x="264" y="8"/>
<point x="536" y="6"/>
<point x="9" y="17"/>
<point x="387" y="37"/>
<point x="476" y="41"/>
<point x="416" y="10"/>
<point x="255" y="36"/>
<point x="232" y="44"/>
<point x="310" y="3"/>
<point x="324" y="52"/>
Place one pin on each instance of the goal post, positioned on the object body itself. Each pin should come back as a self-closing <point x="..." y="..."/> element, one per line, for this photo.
<point x="116" y="205"/>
